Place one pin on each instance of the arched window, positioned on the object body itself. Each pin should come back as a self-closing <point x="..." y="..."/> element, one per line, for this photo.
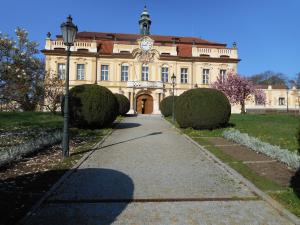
<point x="124" y="72"/>
<point x="165" y="73"/>
<point x="145" y="72"/>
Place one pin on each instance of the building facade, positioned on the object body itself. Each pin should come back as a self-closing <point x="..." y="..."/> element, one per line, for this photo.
<point x="278" y="99"/>
<point x="140" y="66"/>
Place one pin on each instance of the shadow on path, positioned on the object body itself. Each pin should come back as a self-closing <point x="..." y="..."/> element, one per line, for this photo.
<point x="127" y="125"/>
<point x="86" y="198"/>
<point x="132" y="139"/>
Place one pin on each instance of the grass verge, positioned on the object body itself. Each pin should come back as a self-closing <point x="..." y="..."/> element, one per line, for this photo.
<point x="25" y="182"/>
<point x="286" y="196"/>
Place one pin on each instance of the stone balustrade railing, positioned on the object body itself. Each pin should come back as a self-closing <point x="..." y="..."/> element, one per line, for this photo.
<point x="145" y="84"/>
<point x="215" y="52"/>
<point x="78" y="45"/>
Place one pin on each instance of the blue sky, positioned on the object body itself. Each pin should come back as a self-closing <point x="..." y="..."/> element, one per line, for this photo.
<point x="267" y="31"/>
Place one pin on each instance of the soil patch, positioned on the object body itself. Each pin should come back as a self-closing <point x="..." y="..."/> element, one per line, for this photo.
<point x="259" y="163"/>
<point x="244" y="154"/>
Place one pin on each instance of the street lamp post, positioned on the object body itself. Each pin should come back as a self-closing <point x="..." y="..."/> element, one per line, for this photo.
<point x="69" y="31"/>
<point x="173" y="104"/>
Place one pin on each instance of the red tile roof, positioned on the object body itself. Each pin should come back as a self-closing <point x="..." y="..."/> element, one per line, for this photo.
<point x="184" y="50"/>
<point x="184" y="44"/>
<point x="156" y="38"/>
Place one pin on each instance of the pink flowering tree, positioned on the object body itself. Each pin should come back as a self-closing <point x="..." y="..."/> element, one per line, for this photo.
<point x="238" y="89"/>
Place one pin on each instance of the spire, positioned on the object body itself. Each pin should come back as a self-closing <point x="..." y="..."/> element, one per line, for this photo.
<point x="145" y="22"/>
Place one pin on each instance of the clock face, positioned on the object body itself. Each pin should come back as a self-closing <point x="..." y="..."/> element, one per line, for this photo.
<point x="146" y="44"/>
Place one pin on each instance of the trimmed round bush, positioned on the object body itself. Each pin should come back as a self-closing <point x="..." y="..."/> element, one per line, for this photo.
<point x="202" y="108"/>
<point x="92" y="106"/>
<point x="166" y="105"/>
<point x="124" y="104"/>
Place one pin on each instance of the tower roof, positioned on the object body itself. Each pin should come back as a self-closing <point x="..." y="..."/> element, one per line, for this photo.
<point x="145" y="12"/>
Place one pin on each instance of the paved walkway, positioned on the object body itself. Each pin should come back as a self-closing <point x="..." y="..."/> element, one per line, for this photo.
<point x="147" y="173"/>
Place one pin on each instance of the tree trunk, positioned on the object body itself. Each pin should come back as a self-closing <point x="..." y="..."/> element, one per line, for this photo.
<point x="243" y="111"/>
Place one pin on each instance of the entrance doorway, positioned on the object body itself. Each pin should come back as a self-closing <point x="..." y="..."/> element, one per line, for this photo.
<point x="144" y="104"/>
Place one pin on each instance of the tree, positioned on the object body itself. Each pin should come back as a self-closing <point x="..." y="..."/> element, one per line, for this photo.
<point x="239" y="90"/>
<point x="269" y="78"/>
<point x="21" y="72"/>
<point x="53" y="91"/>
<point x="296" y="82"/>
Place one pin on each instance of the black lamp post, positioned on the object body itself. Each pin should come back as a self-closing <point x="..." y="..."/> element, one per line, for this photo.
<point x="69" y="31"/>
<point x="173" y="104"/>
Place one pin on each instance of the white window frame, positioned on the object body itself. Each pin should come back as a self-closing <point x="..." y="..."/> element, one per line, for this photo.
<point x="124" y="72"/>
<point x="205" y="76"/>
<point x="184" y="75"/>
<point x="165" y="74"/>
<point x="145" y="72"/>
<point x="80" y="71"/>
<point x="222" y="74"/>
<point x="104" y="72"/>
<point x="281" y="101"/>
<point x="61" y="72"/>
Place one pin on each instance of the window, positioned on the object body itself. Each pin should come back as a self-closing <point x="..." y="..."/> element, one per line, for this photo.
<point x="183" y="75"/>
<point x="281" y="101"/>
<point x="80" y="71"/>
<point x="222" y="75"/>
<point x="124" y="73"/>
<point x="205" y="76"/>
<point x="61" y="71"/>
<point x="104" y="72"/>
<point x="257" y="102"/>
<point x="164" y="74"/>
<point x="145" y="72"/>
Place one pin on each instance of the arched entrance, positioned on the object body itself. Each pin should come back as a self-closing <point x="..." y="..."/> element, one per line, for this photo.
<point x="144" y="104"/>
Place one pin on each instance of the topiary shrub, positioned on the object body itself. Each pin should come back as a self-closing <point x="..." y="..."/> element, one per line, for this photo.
<point x="202" y="108"/>
<point x="92" y="106"/>
<point x="166" y="105"/>
<point x="124" y="104"/>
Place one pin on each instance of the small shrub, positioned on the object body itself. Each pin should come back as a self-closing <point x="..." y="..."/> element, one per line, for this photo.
<point x="202" y="108"/>
<point x="92" y="106"/>
<point x="124" y="104"/>
<point x="166" y="105"/>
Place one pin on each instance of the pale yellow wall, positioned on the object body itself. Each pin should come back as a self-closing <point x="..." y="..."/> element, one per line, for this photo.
<point x="272" y="99"/>
<point x="93" y="68"/>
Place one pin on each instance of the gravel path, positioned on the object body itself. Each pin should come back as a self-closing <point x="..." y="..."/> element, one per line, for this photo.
<point x="148" y="173"/>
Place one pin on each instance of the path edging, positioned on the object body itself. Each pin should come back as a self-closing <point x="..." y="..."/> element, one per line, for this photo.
<point x="274" y="204"/>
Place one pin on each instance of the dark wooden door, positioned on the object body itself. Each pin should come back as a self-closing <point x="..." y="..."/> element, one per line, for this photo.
<point x="144" y="104"/>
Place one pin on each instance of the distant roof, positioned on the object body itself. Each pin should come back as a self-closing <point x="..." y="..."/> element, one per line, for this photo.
<point x="277" y="86"/>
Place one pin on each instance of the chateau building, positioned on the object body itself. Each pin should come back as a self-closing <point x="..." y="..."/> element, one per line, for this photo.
<point x="140" y="66"/>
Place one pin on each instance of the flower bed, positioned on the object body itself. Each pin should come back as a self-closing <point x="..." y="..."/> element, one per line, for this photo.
<point x="291" y="159"/>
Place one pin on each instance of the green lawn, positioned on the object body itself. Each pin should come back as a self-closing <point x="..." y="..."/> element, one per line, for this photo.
<point x="29" y="120"/>
<point x="278" y="130"/>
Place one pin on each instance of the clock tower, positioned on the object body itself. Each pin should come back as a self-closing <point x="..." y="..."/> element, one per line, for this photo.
<point x="145" y="22"/>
